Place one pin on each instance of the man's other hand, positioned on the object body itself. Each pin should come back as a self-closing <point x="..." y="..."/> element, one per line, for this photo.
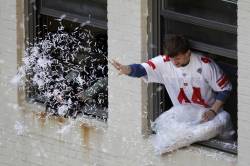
<point x="207" y="116"/>
<point x="123" y="69"/>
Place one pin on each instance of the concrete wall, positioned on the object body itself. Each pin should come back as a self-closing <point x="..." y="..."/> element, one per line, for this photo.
<point x="8" y="48"/>
<point x="28" y="137"/>
<point x="243" y="81"/>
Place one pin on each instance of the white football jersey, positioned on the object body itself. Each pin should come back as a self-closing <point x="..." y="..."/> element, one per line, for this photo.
<point x="196" y="83"/>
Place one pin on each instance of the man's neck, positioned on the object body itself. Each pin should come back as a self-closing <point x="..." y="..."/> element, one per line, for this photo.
<point x="184" y="65"/>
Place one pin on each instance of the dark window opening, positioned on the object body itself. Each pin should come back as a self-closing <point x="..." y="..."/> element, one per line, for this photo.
<point x="48" y="18"/>
<point x="201" y="34"/>
<point x="222" y="11"/>
<point x="92" y="11"/>
<point x="211" y="27"/>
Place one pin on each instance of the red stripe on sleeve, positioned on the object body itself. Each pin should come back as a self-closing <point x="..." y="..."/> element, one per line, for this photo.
<point x="225" y="84"/>
<point x="223" y="81"/>
<point x="166" y="58"/>
<point x="205" y="59"/>
<point x="222" y="76"/>
<point x="151" y="64"/>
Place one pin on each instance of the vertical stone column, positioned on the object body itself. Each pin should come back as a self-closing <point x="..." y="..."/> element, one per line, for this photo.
<point x="243" y="82"/>
<point x="127" y="43"/>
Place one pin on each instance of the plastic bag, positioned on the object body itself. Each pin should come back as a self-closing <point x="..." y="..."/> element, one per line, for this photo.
<point x="181" y="126"/>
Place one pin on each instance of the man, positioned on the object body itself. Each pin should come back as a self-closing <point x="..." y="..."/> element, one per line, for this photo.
<point x="189" y="78"/>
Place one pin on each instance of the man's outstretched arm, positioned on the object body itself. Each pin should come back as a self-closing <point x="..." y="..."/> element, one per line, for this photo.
<point x="133" y="70"/>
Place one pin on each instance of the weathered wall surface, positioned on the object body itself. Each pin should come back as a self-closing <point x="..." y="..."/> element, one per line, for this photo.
<point x="243" y="81"/>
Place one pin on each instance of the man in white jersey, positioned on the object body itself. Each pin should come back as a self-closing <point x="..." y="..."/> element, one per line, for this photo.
<point x="189" y="78"/>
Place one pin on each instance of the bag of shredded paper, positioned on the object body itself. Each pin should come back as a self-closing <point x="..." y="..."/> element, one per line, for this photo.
<point x="181" y="126"/>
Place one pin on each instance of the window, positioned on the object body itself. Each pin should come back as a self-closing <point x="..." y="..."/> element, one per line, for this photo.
<point x="45" y="18"/>
<point x="220" y="11"/>
<point x="211" y="27"/>
<point x="94" y="11"/>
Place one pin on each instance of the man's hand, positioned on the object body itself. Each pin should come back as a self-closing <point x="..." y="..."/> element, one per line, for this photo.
<point x="208" y="115"/>
<point x="123" y="69"/>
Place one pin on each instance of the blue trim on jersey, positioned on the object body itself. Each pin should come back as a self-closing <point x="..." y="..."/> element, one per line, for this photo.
<point x="223" y="95"/>
<point x="137" y="70"/>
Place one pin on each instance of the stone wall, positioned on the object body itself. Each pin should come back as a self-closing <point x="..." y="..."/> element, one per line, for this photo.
<point x="243" y="81"/>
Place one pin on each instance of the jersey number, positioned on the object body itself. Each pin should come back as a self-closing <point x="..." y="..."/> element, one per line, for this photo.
<point x="196" y="97"/>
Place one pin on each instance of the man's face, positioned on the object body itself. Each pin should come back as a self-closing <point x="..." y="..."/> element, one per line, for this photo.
<point x="181" y="60"/>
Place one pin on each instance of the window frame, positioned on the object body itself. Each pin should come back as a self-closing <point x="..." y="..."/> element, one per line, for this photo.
<point x="157" y="13"/>
<point x="36" y="16"/>
<point x="102" y="24"/>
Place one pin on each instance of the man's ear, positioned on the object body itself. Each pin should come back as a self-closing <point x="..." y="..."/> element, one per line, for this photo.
<point x="188" y="53"/>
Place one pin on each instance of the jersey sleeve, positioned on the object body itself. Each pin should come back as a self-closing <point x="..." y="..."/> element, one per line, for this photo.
<point x="153" y="69"/>
<point x="215" y="76"/>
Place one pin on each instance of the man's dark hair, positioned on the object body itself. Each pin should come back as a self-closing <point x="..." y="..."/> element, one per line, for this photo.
<point x="176" y="44"/>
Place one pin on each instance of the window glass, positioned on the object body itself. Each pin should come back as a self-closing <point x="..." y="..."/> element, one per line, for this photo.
<point x="201" y="34"/>
<point x="76" y="77"/>
<point x="224" y="11"/>
<point x="95" y="9"/>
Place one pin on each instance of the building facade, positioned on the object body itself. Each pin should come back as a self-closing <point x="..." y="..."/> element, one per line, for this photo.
<point x="28" y="137"/>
